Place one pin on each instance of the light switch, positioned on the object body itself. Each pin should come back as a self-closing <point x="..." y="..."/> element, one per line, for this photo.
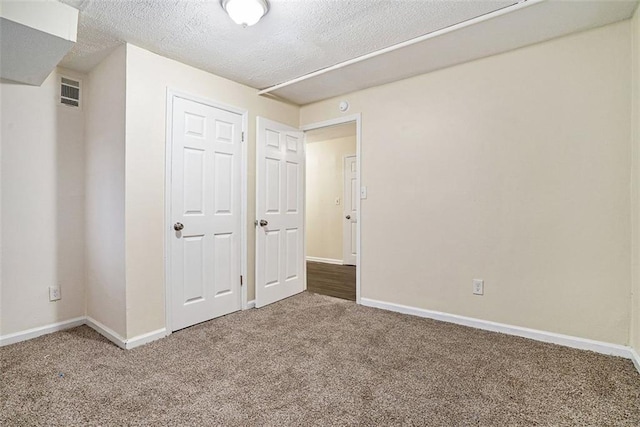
<point x="337" y="200"/>
<point x="363" y="192"/>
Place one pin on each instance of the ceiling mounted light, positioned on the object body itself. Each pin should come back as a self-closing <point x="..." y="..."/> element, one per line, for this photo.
<point x="245" y="12"/>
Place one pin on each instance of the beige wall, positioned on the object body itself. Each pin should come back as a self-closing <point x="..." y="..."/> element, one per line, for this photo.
<point x="105" y="227"/>
<point x="324" y="183"/>
<point x="42" y="205"/>
<point x="148" y="77"/>
<point x="514" y="169"/>
<point x="635" y="123"/>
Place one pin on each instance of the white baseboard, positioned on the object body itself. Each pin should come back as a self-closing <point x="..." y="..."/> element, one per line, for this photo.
<point x="635" y="357"/>
<point x="123" y="343"/>
<point x="145" y="338"/>
<point x="549" y="337"/>
<point x="39" y="331"/>
<point x="107" y="332"/>
<point x="325" y="260"/>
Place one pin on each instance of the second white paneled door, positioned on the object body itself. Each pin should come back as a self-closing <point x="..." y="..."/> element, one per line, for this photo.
<point x="279" y="211"/>
<point x="350" y="217"/>
<point x="205" y="239"/>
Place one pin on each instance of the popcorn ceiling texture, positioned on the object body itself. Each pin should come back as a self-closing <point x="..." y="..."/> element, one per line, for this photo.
<point x="529" y="25"/>
<point x="294" y="38"/>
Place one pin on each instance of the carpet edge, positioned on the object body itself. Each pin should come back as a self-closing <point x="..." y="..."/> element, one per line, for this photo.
<point x="28" y="334"/>
<point x="534" y="334"/>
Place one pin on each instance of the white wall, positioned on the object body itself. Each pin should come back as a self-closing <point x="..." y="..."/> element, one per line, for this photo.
<point x="324" y="183"/>
<point x="635" y="122"/>
<point x="148" y="77"/>
<point x="514" y="169"/>
<point x="42" y="205"/>
<point x="105" y="186"/>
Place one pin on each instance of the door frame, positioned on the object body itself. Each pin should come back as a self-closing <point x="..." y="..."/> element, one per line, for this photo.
<point x="172" y="94"/>
<point x="357" y="118"/>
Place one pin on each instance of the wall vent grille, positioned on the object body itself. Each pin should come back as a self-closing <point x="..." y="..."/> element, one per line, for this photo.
<point x="69" y="92"/>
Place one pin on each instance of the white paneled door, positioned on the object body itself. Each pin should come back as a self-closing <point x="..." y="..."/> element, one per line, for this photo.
<point x="350" y="217"/>
<point x="205" y="239"/>
<point x="279" y="212"/>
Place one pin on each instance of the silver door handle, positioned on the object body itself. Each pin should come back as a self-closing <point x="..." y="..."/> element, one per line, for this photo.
<point x="348" y="216"/>
<point x="264" y="223"/>
<point x="178" y="226"/>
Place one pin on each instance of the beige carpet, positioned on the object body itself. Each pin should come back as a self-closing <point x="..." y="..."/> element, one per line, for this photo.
<point x="314" y="360"/>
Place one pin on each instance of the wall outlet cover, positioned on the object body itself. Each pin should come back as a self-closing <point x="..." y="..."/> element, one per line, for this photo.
<point x="54" y="293"/>
<point x="478" y="287"/>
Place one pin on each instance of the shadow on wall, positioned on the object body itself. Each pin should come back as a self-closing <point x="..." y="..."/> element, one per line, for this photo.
<point x="42" y="206"/>
<point x="70" y="201"/>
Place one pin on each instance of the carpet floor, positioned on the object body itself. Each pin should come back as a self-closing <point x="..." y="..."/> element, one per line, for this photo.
<point x="314" y="360"/>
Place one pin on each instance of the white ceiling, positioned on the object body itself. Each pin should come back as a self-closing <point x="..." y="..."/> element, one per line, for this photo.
<point x="296" y="37"/>
<point x="511" y="28"/>
<point x="299" y="37"/>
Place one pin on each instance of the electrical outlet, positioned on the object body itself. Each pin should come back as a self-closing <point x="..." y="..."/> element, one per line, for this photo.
<point x="54" y="293"/>
<point x="478" y="287"/>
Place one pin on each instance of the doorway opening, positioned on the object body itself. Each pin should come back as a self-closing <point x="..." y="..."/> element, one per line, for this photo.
<point x="332" y="197"/>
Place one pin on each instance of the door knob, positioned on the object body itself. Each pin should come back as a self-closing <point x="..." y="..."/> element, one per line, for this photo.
<point x="178" y="226"/>
<point x="264" y="223"/>
<point x="348" y="216"/>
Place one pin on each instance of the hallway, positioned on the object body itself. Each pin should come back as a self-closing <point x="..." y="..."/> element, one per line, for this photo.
<point x="334" y="280"/>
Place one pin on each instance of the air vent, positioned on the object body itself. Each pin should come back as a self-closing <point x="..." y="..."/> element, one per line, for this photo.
<point x="69" y="92"/>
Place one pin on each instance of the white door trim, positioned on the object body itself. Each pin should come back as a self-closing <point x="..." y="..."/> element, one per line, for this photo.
<point x="357" y="118"/>
<point x="171" y="95"/>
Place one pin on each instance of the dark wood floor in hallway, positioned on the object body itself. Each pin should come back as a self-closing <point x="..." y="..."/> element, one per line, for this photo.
<point x="334" y="280"/>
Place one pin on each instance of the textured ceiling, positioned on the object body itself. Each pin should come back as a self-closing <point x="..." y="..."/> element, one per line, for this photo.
<point x="511" y="28"/>
<point x="295" y="38"/>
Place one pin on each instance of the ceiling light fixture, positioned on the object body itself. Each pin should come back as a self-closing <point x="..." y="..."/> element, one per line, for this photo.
<point x="245" y="12"/>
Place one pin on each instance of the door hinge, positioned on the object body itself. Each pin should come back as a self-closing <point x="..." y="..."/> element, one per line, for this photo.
<point x="241" y="281"/>
<point x="242" y="136"/>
